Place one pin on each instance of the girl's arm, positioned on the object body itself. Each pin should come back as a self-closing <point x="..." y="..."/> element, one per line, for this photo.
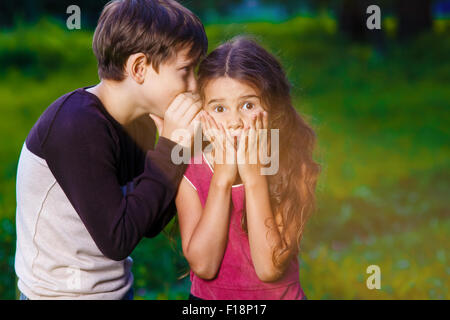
<point x="264" y="228"/>
<point x="263" y="231"/>
<point x="204" y="232"/>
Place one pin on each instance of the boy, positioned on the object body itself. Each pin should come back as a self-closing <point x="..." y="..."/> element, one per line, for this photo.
<point x="90" y="182"/>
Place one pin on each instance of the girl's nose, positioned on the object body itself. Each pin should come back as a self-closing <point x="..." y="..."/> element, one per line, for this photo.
<point x="235" y="124"/>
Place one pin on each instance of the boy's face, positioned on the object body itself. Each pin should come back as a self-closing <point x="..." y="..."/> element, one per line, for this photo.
<point x="175" y="76"/>
<point x="231" y="103"/>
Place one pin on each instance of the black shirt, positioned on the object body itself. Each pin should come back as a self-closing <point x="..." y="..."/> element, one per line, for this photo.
<point x="94" y="158"/>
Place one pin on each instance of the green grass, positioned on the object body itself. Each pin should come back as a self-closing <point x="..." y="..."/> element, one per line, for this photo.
<point x="383" y="140"/>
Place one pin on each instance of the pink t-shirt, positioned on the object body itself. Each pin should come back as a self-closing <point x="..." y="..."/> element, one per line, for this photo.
<point x="237" y="279"/>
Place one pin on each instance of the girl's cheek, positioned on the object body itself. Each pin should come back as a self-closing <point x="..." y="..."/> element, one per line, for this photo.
<point x="259" y="109"/>
<point x="217" y="118"/>
<point x="248" y="118"/>
<point x="255" y="111"/>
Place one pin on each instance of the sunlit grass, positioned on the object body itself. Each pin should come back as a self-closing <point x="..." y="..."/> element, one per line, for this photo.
<point x="413" y="264"/>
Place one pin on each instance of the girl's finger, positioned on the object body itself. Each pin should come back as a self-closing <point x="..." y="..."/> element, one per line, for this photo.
<point x="230" y="141"/>
<point x="218" y="136"/>
<point x="207" y="126"/>
<point x="198" y="120"/>
<point x="265" y="120"/>
<point x="252" y="142"/>
<point x="227" y="136"/>
<point x="241" y="146"/>
<point x="216" y="129"/>
<point x="258" y="128"/>
<point x="258" y="122"/>
<point x="226" y="144"/>
<point x="212" y="128"/>
<point x="203" y="121"/>
<point x="212" y="122"/>
<point x="253" y="122"/>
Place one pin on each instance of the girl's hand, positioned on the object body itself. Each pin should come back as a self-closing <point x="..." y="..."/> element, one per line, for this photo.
<point x="252" y="144"/>
<point x="224" y="151"/>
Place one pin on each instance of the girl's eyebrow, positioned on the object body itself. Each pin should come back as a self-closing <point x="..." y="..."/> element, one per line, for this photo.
<point x="215" y="100"/>
<point x="249" y="96"/>
<point x="240" y="98"/>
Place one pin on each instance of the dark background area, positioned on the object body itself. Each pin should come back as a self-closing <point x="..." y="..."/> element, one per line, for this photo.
<point x="413" y="16"/>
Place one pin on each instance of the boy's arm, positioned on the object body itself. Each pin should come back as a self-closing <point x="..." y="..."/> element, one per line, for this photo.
<point x="82" y="157"/>
<point x="162" y="221"/>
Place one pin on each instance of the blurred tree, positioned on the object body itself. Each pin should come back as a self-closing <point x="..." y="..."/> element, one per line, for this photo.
<point x="27" y="10"/>
<point x="352" y="21"/>
<point x="203" y="7"/>
<point x="292" y="6"/>
<point x="352" y="18"/>
<point x="31" y="10"/>
<point x="90" y="10"/>
<point x="413" y="17"/>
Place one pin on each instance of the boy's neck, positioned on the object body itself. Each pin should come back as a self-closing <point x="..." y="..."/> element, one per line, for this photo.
<point x="118" y="101"/>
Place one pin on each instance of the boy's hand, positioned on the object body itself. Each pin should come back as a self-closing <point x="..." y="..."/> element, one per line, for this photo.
<point x="181" y="114"/>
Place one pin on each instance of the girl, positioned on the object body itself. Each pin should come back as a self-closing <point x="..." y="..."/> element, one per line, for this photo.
<point x="240" y="229"/>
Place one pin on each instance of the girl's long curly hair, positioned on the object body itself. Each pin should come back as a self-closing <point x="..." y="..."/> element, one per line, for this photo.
<point x="292" y="188"/>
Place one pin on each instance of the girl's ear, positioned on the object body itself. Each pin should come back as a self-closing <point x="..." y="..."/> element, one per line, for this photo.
<point x="137" y="67"/>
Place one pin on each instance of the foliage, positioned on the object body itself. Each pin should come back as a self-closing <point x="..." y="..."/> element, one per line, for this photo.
<point x="382" y="123"/>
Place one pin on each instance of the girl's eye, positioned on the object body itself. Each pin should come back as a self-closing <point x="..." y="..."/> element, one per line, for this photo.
<point x="248" y="106"/>
<point x="219" y="109"/>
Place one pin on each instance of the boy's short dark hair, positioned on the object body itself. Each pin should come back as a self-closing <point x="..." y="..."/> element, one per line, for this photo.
<point x="157" y="28"/>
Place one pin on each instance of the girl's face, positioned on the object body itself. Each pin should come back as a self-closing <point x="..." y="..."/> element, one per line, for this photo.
<point x="231" y="103"/>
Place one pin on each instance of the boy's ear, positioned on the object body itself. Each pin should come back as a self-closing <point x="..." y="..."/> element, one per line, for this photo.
<point x="137" y="67"/>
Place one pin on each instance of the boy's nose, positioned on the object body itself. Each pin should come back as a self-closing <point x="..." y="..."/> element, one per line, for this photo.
<point x="192" y="83"/>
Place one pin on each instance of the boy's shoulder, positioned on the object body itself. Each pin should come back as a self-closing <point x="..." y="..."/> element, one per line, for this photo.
<point x="73" y="108"/>
<point x="72" y="116"/>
